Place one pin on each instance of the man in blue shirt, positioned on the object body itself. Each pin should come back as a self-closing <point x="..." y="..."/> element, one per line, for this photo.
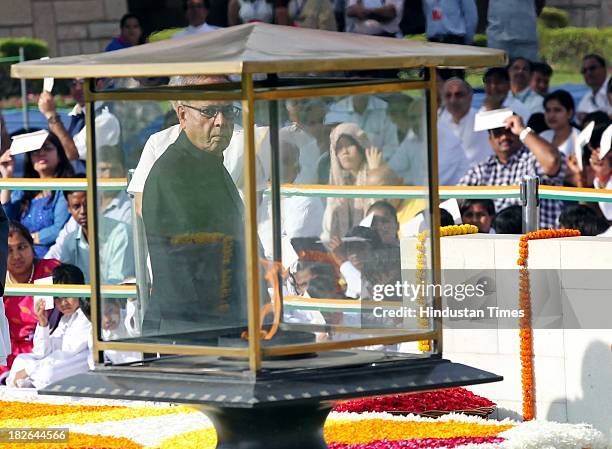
<point x="512" y="27"/>
<point x="115" y="246"/>
<point x="451" y="21"/>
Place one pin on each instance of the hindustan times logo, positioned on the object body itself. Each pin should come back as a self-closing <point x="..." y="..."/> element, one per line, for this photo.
<point x="411" y="292"/>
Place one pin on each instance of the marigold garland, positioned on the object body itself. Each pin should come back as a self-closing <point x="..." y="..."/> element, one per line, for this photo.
<point x="84" y="415"/>
<point x="374" y="434"/>
<point x="27" y="410"/>
<point x="525" y="329"/>
<point x="353" y="432"/>
<point x="421" y="263"/>
<point x="80" y="441"/>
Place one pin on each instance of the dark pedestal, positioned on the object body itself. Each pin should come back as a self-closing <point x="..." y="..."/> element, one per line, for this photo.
<point x="285" y="405"/>
<point x="291" y="426"/>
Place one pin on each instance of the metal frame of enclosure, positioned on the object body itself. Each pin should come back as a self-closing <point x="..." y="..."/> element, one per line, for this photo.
<point x="248" y="91"/>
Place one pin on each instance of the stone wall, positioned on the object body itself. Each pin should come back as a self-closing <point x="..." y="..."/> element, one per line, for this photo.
<point x="69" y="26"/>
<point x="586" y="13"/>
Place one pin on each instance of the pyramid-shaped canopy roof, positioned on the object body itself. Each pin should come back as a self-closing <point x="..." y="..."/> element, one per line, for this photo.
<point x="261" y="48"/>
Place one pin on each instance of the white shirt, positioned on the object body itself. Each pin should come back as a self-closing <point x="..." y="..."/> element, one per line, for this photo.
<point x="120" y="332"/>
<point x="233" y="159"/>
<point x="606" y="208"/>
<point x="300" y="217"/>
<point x="517" y="107"/>
<point x="374" y="121"/>
<point x="371" y="26"/>
<point x="475" y="143"/>
<point x="452" y="163"/>
<point x="531" y="99"/>
<point x="107" y="133"/>
<point x="309" y="152"/>
<point x="597" y="102"/>
<point x="352" y="276"/>
<point x="56" y="356"/>
<point x="569" y="146"/>
<point x="204" y="28"/>
<point x="256" y="11"/>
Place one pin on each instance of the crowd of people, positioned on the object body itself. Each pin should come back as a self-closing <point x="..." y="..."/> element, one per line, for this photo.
<point x="189" y="185"/>
<point x="511" y="25"/>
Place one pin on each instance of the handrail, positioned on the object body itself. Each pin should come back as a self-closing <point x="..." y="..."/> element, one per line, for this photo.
<point x="112" y="184"/>
<point x="75" y="291"/>
<point x="330" y="191"/>
<point x="446" y="192"/>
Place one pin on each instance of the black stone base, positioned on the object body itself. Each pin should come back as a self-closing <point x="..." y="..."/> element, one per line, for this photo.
<point x="291" y="426"/>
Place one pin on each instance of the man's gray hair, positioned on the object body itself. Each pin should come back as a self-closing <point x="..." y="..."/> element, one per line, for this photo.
<point x="465" y="84"/>
<point x="192" y="80"/>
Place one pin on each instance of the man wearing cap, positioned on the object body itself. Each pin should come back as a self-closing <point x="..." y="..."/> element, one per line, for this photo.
<point x="519" y="152"/>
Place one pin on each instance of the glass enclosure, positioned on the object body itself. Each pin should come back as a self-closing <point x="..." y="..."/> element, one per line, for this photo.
<point x="341" y="188"/>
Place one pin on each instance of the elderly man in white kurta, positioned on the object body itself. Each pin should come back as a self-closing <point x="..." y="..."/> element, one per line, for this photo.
<point x="458" y="116"/>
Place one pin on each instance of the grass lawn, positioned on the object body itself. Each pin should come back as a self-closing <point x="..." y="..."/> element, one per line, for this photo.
<point x="474" y="77"/>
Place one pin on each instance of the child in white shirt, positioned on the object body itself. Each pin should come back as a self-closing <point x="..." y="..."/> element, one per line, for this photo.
<point x="58" y="353"/>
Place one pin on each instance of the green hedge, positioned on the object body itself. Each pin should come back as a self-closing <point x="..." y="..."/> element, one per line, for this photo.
<point x="553" y="18"/>
<point x="563" y="48"/>
<point x="33" y="48"/>
<point x="9" y="47"/>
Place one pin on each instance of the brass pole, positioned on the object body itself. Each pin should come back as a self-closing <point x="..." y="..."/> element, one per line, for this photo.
<point x="434" y="200"/>
<point x="92" y="233"/>
<point x="250" y="230"/>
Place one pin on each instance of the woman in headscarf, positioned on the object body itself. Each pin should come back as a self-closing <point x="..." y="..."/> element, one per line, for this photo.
<point x="353" y="161"/>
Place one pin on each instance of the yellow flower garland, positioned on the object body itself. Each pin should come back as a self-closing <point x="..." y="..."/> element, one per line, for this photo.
<point x="360" y="431"/>
<point x="80" y="441"/>
<point x="421" y="264"/>
<point x="85" y="415"/>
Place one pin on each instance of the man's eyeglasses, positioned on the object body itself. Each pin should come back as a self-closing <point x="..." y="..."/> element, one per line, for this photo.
<point x="195" y="6"/>
<point x="211" y="112"/>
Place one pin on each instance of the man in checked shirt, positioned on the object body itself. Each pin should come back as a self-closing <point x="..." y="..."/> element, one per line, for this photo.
<point x="520" y="152"/>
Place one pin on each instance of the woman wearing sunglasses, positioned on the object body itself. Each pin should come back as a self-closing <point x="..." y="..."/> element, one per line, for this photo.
<point x="42" y="212"/>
